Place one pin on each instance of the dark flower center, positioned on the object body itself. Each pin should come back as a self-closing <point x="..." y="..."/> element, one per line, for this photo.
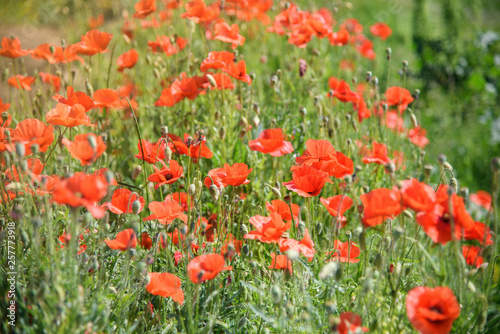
<point x="169" y="176"/>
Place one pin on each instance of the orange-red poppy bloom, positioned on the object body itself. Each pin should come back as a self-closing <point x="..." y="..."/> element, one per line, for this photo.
<point x="222" y="81"/>
<point x="234" y="175"/>
<point x="21" y="82"/>
<point x="166" y="212"/>
<point x="479" y="232"/>
<point x="43" y="52"/>
<point x="4" y="106"/>
<point x="417" y="136"/>
<point x="344" y="252"/>
<point x="381" y="29"/>
<point x="81" y="190"/>
<point x="93" y="42"/>
<point x="75" y="98"/>
<point x="96" y="22"/>
<point x="481" y="198"/>
<point x="146" y="242"/>
<point x="337" y="206"/>
<point x="472" y="255"/>
<point x="82" y="149"/>
<point x="320" y="155"/>
<point x="283" y="209"/>
<point x="166" y="175"/>
<point x="269" y="229"/>
<point x="206" y="267"/>
<point x="197" y="11"/>
<point x="182" y="200"/>
<point x="229" y="34"/>
<point x="68" y="116"/>
<point x="143" y="8"/>
<point x="400" y="97"/>
<point x="152" y="152"/>
<point x="281" y="262"/>
<point x="271" y="141"/>
<point x="127" y="60"/>
<point x="417" y="195"/>
<point x="124" y="240"/>
<point x="163" y="43"/>
<point x="339" y="38"/>
<point x="216" y="60"/>
<point x="11" y="48"/>
<point x="51" y="79"/>
<point x="304" y="246"/>
<point x="35" y="168"/>
<point x="32" y="131"/>
<point x="350" y="323"/>
<point x="65" y="238"/>
<point x="238" y="71"/>
<point x="193" y="148"/>
<point x="307" y="181"/>
<point x="109" y="98"/>
<point x="380" y="204"/>
<point x="377" y="155"/>
<point x="432" y="310"/>
<point x="165" y="285"/>
<point x="123" y="200"/>
<point x="67" y="54"/>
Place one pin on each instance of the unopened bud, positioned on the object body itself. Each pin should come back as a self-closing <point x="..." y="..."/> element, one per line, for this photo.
<point x="168" y="153"/>
<point x="243" y="122"/>
<point x="368" y="76"/>
<point x="20" y="150"/>
<point x="222" y="132"/>
<point x="454" y="184"/>
<point x="214" y="192"/>
<point x="446" y="165"/>
<point x="89" y="88"/>
<point x="191" y="190"/>
<point x="428" y="169"/>
<point x="442" y="158"/>
<point x="5" y="74"/>
<point x="390" y="168"/>
<point x="212" y="81"/>
<point x="414" y="119"/>
<point x="136" y="207"/>
<point x="256" y="121"/>
<point x="388" y="52"/>
<point x="495" y="164"/>
<point x="92" y="141"/>
<point x="5" y="116"/>
<point x="319" y="228"/>
<point x="276" y="293"/>
<point x="136" y="172"/>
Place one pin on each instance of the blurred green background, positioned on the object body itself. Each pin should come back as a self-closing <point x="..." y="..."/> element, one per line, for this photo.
<point x="452" y="46"/>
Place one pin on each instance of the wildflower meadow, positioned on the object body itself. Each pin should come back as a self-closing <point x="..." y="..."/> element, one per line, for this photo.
<point x="237" y="166"/>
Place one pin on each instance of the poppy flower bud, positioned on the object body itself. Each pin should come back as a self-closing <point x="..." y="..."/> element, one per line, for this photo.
<point x="214" y="192"/>
<point x="348" y="117"/>
<point x="37" y="222"/>
<point x="328" y="270"/>
<point x="164" y="131"/>
<point x="5" y="74"/>
<point x="405" y="64"/>
<point x="319" y="228"/>
<point x="388" y="52"/>
<point x="245" y="249"/>
<point x="276" y="293"/>
<point x="256" y="108"/>
<point x="302" y="227"/>
<point x="442" y="158"/>
<point x="362" y="241"/>
<point x="243" y="132"/>
<point x="105" y="220"/>
<point x="390" y="168"/>
<point x="222" y="132"/>
<point x="428" y="170"/>
<point x="413" y="119"/>
<point x="136" y="172"/>
<point x="446" y="165"/>
<point x="88" y="87"/>
<point x="378" y="262"/>
<point x="5" y="116"/>
<point x="243" y="122"/>
<point x="256" y="121"/>
<point x="136" y="207"/>
<point x="191" y="190"/>
<point x="374" y="81"/>
<point x="292" y="254"/>
<point x="495" y="164"/>
<point x="118" y="177"/>
<point x="92" y="142"/>
<point x="20" y="150"/>
<point x="302" y="111"/>
<point x="302" y="67"/>
<point x="453" y="185"/>
<point x="368" y="76"/>
<point x="252" y="75"/>
<point x="464" y="192"/>
<point x="366" y="189"/>
<point x="34" y="148"/>
<point x="287" y="199"/>
<point x="274" y="80"/>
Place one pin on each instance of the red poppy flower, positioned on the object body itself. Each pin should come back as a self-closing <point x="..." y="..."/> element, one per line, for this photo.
<point x="197" y="11"/>
<point x="380" y="204"/>
<point x="166" y="212"/>
<point x="365" y="48"/>
<point x="21" y="82"/>
<point x="143" y="8"/>
<point x="51" y="79"/>
<point x="228" y="34"/>
<point x="381" y="30"/>
<point x="68" y="116"/>
<point x="336" y="206"/>
<point x="344" y="166"/>
<point x="304" y="246"/>
<point x="124" y="240"/>
<point x="65" y="239"/>
<point x="206" y="267"/>
<point x="108" y="98"/>
<point x="320" y="155"/>
<point x="67" y="54"/>
<point x="231" y="246"/>
<point x="271" y="141"/>
<point x="238" y="71"/>
<point x="35" y="168"/>
<point x="481" y="198"/>
<point x="32" y="131"/>
<point x="93" y="42"/>
<point x="222" y="81"/>
<point x="182" y="200"/>
<point x="104" y="175"/>
<point x="342" y="91"/>
<point x="307" y="181"/>
<point x="146" y="241"/>
<point x="377" y="155"/>
<point x="283" y="210"/>
<point x="350" y="323"/>
<point x="269" y="229"/>
<point x="472" y="255"/>
<point x="152" y="152"/>
<point x="281" y="262"/>
<point x="234" y="175"/>
<point x="417" y="195"/>
<point x="165" y="285"/>
<point x="75" y="98"/>
<point x="216" y="60"/>
<point x="4" y="106"/>
<point x="193" y="148"/>
<point x="400" y="97"/>
<point x="339" y="38"/>
<point x="11" y="48"/>
<point x="81" y="190"/>
<point x="167" y="175"/>
<point x="417" y="136"/>
<point x="122" y="201"/>
<point x="163" y="43"/>
<point x="96" y="22"/>
<point x="345" y="252"/>
<point x="81" y="149"/>
<point x="436" y="222"/>
<point x="479" y="232"/>
<point x="127" y="60"/>
<point x="432" y="310"/>
<point x="43" y="52"/>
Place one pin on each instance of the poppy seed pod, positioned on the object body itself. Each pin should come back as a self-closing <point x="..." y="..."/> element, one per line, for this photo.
<point x="446" y="165"/>
<point x="214" y="192"/>
<point x="388" y="52"/>
<point x="442" y="158"/>
<point x="20" y="150"/>
<point x="428" y="169"/>
<point x="252" y="75"/>
<point x="164" y="131"/>
<point x="136" y="172"/>
<point x="5" y="116"/>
